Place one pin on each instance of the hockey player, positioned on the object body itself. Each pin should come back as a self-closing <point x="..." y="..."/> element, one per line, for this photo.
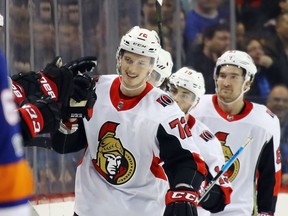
<point x="16" y="177"/>
<point x="187" y="86"/>
<point x="232" y="119"/>
<point x="162" y="70"/>
<point x="132" y="127"/>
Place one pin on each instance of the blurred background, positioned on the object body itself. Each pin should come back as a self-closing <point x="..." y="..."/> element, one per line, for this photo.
<point x="195" y="32"/>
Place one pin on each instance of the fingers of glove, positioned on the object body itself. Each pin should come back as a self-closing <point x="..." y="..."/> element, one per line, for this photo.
<point x="84" y="87"/>
<point x="50" y="111"/>
<point x="180" y="209"/>
<point x="80" y="94"/>
<point x="56" y="62"/>
<point x="25" y="85"/>
<point x="82" y="65"/>
<point x="82" y="81"/>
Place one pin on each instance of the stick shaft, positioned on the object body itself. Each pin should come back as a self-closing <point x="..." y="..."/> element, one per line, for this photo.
<point x="224" y="168"/>
<point x="159" y="22"/>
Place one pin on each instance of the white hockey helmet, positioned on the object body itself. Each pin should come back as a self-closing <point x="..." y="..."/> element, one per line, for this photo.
<point x="189" y="79"/>
<point x="240" y="59"/>
<point x="163" y="67"/>
<point x="140" y="41"/>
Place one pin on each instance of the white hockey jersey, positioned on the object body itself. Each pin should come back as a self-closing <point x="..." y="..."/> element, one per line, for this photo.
<point x="260" y="159"/>
<point x="120" y="173"/>
<point x="211" y="151"/>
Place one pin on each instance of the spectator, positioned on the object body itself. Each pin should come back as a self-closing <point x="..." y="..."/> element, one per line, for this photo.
<point x="268" y="72"/>
<point x="204" y="14"/>
<point x="277" y="45"/>
<point x="256" y="14"/>
<point x="148" y="13"/>
<point x="240" y="35"/>
<point x="216" y="40"/>
<point x="277" y="102"/>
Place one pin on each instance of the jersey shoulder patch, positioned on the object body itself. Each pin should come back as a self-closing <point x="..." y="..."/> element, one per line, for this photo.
<point x="165" y="100"/>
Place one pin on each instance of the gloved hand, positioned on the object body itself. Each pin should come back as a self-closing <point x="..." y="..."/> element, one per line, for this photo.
<point x="181" y="202"/>
<point x="39" y="116"/>
<point x="82" y="65"/>
<point x="57" y="81"/>
<point x="83" y="98"/>
<point x="25" y="85"/>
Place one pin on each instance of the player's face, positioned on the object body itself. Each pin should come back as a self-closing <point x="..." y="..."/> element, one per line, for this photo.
<point x="229" y="82"/>
<point x="135" y="69"/>
<point x="183" y="97"/>
<point x="278" y="101"/>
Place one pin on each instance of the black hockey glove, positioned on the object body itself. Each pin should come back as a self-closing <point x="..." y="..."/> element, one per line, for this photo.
<point x="181" y="202"/>
<point x="39" y="116"/>
<point x="265" y="214"/>
<point x="82" y="65"/>
<point x="83" y="98"/>
<point x="25" y="85"/>
<point x="57" y="81"/>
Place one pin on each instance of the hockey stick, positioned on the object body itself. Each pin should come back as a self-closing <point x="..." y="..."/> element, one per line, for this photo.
<point x="223" y="169"/>
<point x="159" y="22"/>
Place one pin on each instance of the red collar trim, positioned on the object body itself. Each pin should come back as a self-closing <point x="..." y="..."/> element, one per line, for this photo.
<point x="122" y="102"/>
<point x="229" y="117"/>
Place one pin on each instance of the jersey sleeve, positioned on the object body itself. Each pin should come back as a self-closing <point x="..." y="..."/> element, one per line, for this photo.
<point x="16" y="177"/>
<point x="182" y="161"/>
<point x="269" y="172"/>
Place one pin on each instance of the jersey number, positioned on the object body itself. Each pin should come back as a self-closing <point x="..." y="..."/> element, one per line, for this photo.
<point x="184" y="131"/>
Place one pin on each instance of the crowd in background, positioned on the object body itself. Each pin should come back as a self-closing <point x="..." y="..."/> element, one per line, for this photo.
<point x="261" y="29"/>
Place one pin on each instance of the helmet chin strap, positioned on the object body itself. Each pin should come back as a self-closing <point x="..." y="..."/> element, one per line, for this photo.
<point x="194" y="103"/>
<point x="234" y="101"/>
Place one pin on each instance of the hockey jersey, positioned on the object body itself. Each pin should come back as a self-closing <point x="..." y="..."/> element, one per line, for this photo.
<point x="211" y="151"/>
<point x="260" y="160"/>
<point x="16" y="177"/>
<point x="120" y="173"/>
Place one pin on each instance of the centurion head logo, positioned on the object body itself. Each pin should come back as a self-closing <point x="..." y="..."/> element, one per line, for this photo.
<point x="233" y="170"/>
<point x="115" y="163"/>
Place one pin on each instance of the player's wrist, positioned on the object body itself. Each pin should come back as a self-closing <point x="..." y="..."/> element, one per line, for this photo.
<point x="181" y="194"/>
<point x="264" y="214"/>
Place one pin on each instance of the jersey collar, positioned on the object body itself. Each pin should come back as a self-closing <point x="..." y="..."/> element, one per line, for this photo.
<point x="230" y="117"/>
<point x="122" y="102"/>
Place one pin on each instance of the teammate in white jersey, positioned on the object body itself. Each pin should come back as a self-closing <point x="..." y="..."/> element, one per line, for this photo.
<point x="133" y="127"/>
<point x="162" y="69"/>
<point x="232" y="119"/>
<point x="187" y="86"/>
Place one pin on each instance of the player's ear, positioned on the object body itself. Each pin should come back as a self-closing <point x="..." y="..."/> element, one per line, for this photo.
<point x="248" y="85"/>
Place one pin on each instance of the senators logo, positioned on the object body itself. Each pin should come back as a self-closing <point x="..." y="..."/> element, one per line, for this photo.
<point x="206" y="135"/>
<point x="165" y="100"/>
<point x="115" y="163"/>
<point x="233" y="170"/>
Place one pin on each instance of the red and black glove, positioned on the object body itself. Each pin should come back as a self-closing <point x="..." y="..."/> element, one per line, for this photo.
<point x="83" y="98"/>
<point x="181" y="202"/>
<point x="57" y="81"/>
<point x="25" y="85"/>
<point x="39" y="116"/>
